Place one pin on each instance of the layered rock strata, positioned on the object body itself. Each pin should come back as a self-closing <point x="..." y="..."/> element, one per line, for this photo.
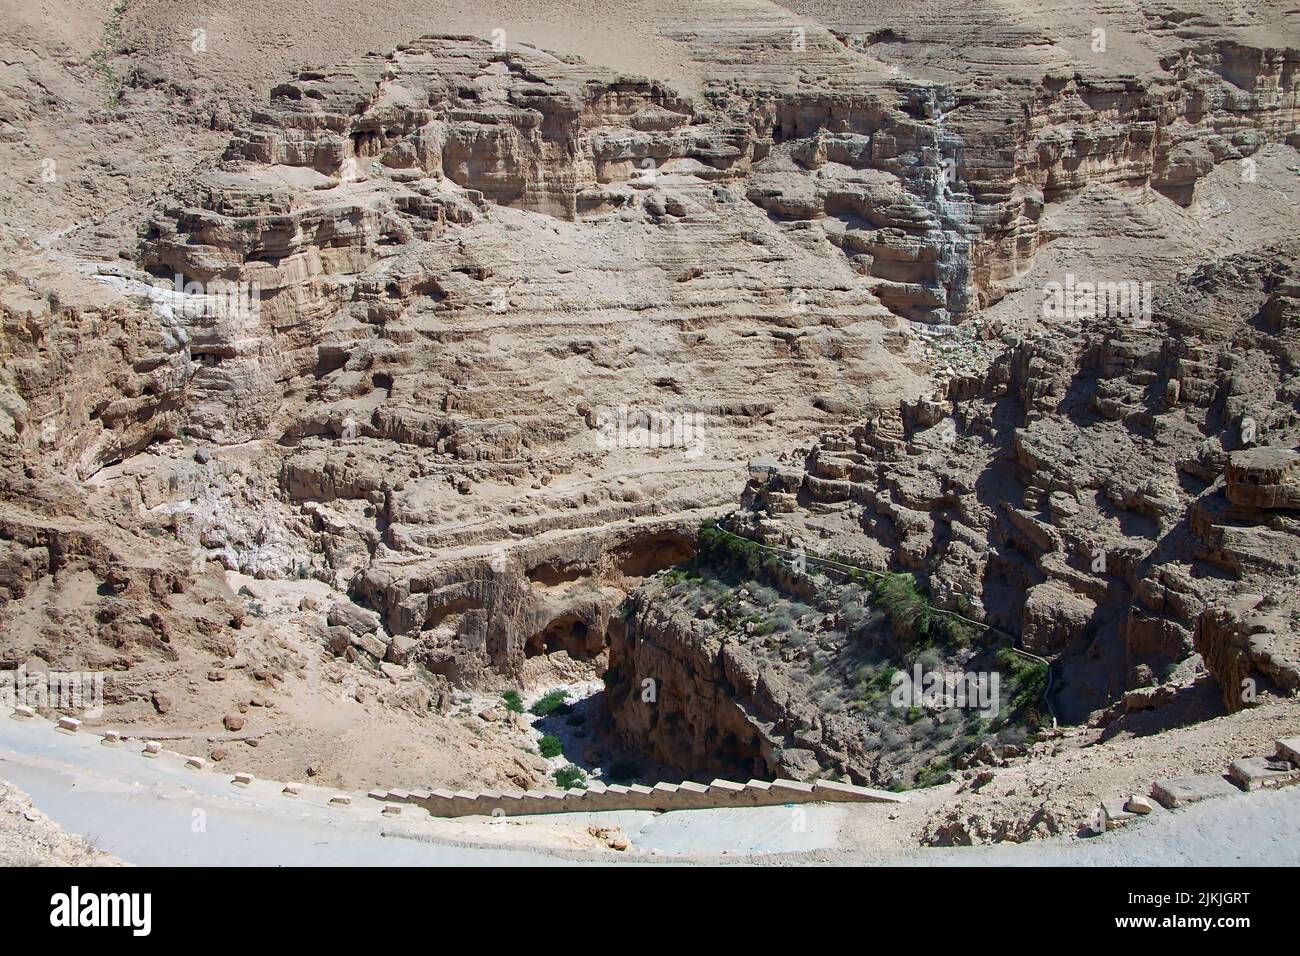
<point x="1116" y="495"/>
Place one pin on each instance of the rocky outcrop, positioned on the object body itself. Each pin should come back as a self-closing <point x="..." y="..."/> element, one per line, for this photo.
<point x="773" y="669"/>
<point x="89" y="379"/>
<point x="1263" y="478"/>
<point x="1064" y="498"/>
<point x="1250" y="647"/>
<point x="98" y="602"/>
<point x="348" y="240"/>
<point x="410" y="334"/>
<point x="410" y="371"/>
<point x="691" y="699"/>
<point x="505" y="611"/>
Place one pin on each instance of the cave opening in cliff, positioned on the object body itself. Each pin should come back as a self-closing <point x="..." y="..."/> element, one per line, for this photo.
<point x="649" y="556"/>
<point x="740" y="757"/>
<point x="366" y="143"/>
<point x="557" y="575"/>
<point x="568" y="633"/>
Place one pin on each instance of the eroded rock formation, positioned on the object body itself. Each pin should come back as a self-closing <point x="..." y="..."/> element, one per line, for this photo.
<point x="1088" y="493"/>
<point x="380" y="342"/>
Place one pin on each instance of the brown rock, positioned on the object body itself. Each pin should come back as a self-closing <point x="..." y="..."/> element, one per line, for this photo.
<point x="1264" y="478"/>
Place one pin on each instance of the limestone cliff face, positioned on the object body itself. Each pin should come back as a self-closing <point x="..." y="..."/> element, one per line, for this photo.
<point x="690" y="698"/>
<point x="933" y="197"/>
<point x="531" y="131"/>
<point x="1074" y="494"/>
<point x="431" y="323"/>
<point x="423" y="277"/>
<point x="769" y="670"/>
<point x="500" y="613"/>
<point x="348" y="202"/>
<point x="1210" y="104"/>
<point x="1249" y="646"/>
<point x="87" y="380"/>
<point x="705" y="699"/>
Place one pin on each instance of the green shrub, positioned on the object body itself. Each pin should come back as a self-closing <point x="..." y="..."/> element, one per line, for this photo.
<point x="550" y="746"/>
<point x="933" y="773"/>
<point x="552" y="703"/>
<point x="909" y="612"/>
<point x="716" y="546"/>
<point x="1029" y="686"/>
<point x="676" y="576"/>
<point x="884" y="680"/>
<point x="959" y="633"/>
<point x="1028" y="682"/>
<point x="912" y="618"/>
<point x="514" y="703"/>
<point x="570" y="777"/>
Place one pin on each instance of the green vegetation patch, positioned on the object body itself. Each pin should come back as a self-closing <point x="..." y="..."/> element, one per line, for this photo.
<point x="570" y="777"/>
<point x="552" y="703"/>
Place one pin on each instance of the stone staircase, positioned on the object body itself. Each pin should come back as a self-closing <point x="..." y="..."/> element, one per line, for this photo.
<point x="462" y="803"/>
<point x="660" y="797"/>
<point x="1245" y="773"/>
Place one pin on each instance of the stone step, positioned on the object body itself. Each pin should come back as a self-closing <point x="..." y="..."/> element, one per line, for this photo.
<point x="1264" y="773"/>
<point x="789" y="786"/>
<point x="1181" y="791"/>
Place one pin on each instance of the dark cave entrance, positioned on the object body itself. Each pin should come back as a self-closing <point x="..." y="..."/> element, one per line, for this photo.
<point x="569" y="633"/>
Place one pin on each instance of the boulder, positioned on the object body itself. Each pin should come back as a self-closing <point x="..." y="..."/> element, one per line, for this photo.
<point x="1140" y="805"/>
<point x="1115" y="813"/>
<point x="399" y="651"/>
<point x="370" y="644"/>
<point x="1264" y="478"/>
<point x="337" y="640"/>
<point x="356" y="619"/>
<point x="1055" y="617"/>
